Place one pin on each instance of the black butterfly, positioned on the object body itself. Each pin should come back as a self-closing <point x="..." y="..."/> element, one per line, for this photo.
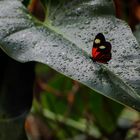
<point x="101" y="50"/>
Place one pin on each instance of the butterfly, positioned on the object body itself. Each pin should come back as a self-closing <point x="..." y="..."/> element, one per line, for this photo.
<point x="101" y="50"/>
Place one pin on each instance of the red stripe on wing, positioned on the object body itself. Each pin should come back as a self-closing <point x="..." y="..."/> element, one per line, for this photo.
<point x="95" y="53"/>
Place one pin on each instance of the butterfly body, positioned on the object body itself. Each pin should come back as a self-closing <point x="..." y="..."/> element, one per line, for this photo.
<point x="101" y="50"/>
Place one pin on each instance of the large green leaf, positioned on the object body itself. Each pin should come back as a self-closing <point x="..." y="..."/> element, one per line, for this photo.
<point x="65" y="40"/>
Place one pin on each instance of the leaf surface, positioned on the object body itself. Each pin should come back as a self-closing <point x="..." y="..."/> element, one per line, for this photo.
<point x="64" y="42"/>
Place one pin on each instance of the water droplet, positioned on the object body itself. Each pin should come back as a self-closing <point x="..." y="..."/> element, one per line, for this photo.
<point x="81" y="27"/>
<point x="79" y="9"/>
<point x="55" y="45"/>
<point x="87" y="22"/>
<point x="124" y="51"/>
<point x="114" y="51"/>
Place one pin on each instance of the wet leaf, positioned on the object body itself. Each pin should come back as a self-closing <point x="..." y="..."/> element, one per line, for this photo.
<point x="64" y="42"/>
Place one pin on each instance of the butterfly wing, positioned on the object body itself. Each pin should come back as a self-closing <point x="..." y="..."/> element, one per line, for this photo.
<point x="103" y="58"/>
<point x="99" y="36"/>
<point x="101" y="50"/>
